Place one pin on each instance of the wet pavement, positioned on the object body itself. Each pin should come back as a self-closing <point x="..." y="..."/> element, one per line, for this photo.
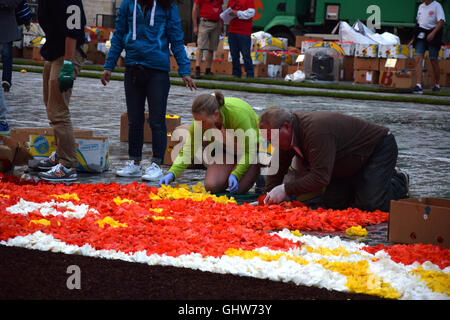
<point x="422" y="131"/>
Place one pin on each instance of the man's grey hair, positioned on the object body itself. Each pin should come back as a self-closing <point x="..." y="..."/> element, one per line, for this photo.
<point x="275" y="117"/>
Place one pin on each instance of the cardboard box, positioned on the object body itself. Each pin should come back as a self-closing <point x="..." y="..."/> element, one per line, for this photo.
<point x="22" y="136"/>
<point x="299" y="40"/>
<point x="367" y="64"/>
<point x="222" y="67"/>
<point x="17" y="53"/>
<point x="12" y="154"/>
<point x="92" y="153"/>
<point x="395" y="51"/>
<point x="27" y="53"/>
<point x="445" y="80"/>
<point x="172" y="121"/>
<point x="260" y="70"/>
<point x="367" y="77"/>
<point x="366" y="50"/>
<point x="420" y="221"/>
<point x="347" y="70"/>
<point x="401" y="64"/>
<point x="348" y="48"/>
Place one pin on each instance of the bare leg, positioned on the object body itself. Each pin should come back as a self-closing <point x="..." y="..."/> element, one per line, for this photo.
<point x="436" y="71"/>
<point x="418" y="62"/>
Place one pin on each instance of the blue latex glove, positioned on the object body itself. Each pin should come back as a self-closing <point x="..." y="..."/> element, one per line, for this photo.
<point x="167" y="179"/>
<point x="233" y="183"/>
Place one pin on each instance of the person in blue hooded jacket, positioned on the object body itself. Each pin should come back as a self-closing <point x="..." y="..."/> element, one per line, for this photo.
<point x="145" y="29"/>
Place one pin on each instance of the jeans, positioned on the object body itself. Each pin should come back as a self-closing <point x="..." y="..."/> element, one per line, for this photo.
<point x="423" y="45"/>
<point x="241" y="44"/>
<point x="7" y="62"/>
<point x="2" y="99"/>
<point x="374" y="186"/>
<point x="155" y="90"/>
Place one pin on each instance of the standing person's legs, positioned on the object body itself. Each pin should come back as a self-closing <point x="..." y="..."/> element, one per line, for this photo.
<point x="420" y="48"/>
<point x="245" y="45"/>
<point x="434" y="55"/>
<point x="7" y="66"/>
<point x="3" y="108"/>
<point x="57" y="105"/>
<point x="378" y="183"/>
<point x="233" y="39"/>
<point x="157" y="94"/>
<point x="135" y="99"/>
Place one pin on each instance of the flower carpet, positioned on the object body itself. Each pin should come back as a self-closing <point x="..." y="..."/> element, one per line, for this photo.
<point x="189" y="228"/>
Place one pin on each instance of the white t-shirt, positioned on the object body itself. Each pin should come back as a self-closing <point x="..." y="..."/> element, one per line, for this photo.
<point x="429" y="16"/>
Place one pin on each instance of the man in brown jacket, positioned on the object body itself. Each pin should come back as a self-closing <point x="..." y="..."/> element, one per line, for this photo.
<point x="352" y="158"/>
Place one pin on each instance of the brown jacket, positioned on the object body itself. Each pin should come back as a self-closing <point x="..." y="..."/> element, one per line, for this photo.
<point x="329" y="145"/>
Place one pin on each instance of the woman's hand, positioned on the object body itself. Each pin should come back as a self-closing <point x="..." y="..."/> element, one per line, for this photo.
<point x="106" y="77"/>
<point x="189" y="83"/>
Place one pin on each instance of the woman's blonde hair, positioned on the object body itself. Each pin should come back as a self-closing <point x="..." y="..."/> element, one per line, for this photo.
<point x="208" y="103"/>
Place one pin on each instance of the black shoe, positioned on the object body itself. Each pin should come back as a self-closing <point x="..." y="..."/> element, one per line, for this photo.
<point x="436" y="89"/>
<point x="48" y="163"/>
<point x="405" y="177"/>
<point x="59" y="173"/>
<point x="418" y="90"/>
<point x="6" y="86"/>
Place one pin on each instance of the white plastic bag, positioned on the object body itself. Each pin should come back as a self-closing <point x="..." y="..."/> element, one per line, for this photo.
<point x="348" y="34"/>
<point x="297" y="76"/>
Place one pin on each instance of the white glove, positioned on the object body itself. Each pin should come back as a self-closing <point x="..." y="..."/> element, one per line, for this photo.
<point x="276" y="196"/>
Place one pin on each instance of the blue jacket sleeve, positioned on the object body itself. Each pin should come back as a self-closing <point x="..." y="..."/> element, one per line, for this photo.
<point x="176" y="40"/>
<point x="118" y="39"/>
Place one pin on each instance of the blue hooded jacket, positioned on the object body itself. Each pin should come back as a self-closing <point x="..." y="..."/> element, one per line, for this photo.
<point x="146" y="39"/>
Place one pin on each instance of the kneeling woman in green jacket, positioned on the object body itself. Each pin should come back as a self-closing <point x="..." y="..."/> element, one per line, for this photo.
<point x="233" y="125"/>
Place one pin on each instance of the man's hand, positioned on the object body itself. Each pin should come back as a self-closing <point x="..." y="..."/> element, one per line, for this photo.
<point x="106" y="77"/>
<point x="189" y="83"/>
<point x="430" y="37"/>
<point x="276" y="196"/>
<point x="66" y="76"/>
<point x="196" y="30"/>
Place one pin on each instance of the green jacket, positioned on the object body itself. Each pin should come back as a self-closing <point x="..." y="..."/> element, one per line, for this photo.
<point x="236" y="114"/>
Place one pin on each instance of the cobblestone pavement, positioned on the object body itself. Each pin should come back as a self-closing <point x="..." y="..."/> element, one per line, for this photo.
<point x="422" y="131"/>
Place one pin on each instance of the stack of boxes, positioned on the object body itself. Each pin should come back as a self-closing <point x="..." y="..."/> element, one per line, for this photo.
<point x="172" y="122"/>
<point x="271" y="58"/>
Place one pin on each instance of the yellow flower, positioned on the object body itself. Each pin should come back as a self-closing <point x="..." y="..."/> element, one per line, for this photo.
<point x="360" y="280"/>
<point x="44" y="222"/>
<point x="296" y="233"/>
<point x="66" y="196"/>
<point x="118" y="201"/>
<point x="198" y="193"/>
<point x="4" y="196"/>
<point x="246" y="254"/>
<point x="110" y="221"/>
<point x="158" y="210"/>
<point x="437" y="281"/>
<point x="339" y="251"/>
<point x="356" y="231"/>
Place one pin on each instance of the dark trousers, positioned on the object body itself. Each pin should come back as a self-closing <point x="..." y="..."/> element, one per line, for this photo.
<point x="155" y="89"/>
<point x="241" y="44"/>
<point x="374" y="186"/>
<point x="7" y="61"/>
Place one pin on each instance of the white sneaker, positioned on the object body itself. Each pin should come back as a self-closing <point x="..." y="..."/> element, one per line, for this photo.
<point x="152" y="173"/>
<point x="130" y="170"/>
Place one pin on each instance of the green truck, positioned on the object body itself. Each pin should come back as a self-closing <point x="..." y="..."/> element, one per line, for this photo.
<point x="288" y="18"/>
